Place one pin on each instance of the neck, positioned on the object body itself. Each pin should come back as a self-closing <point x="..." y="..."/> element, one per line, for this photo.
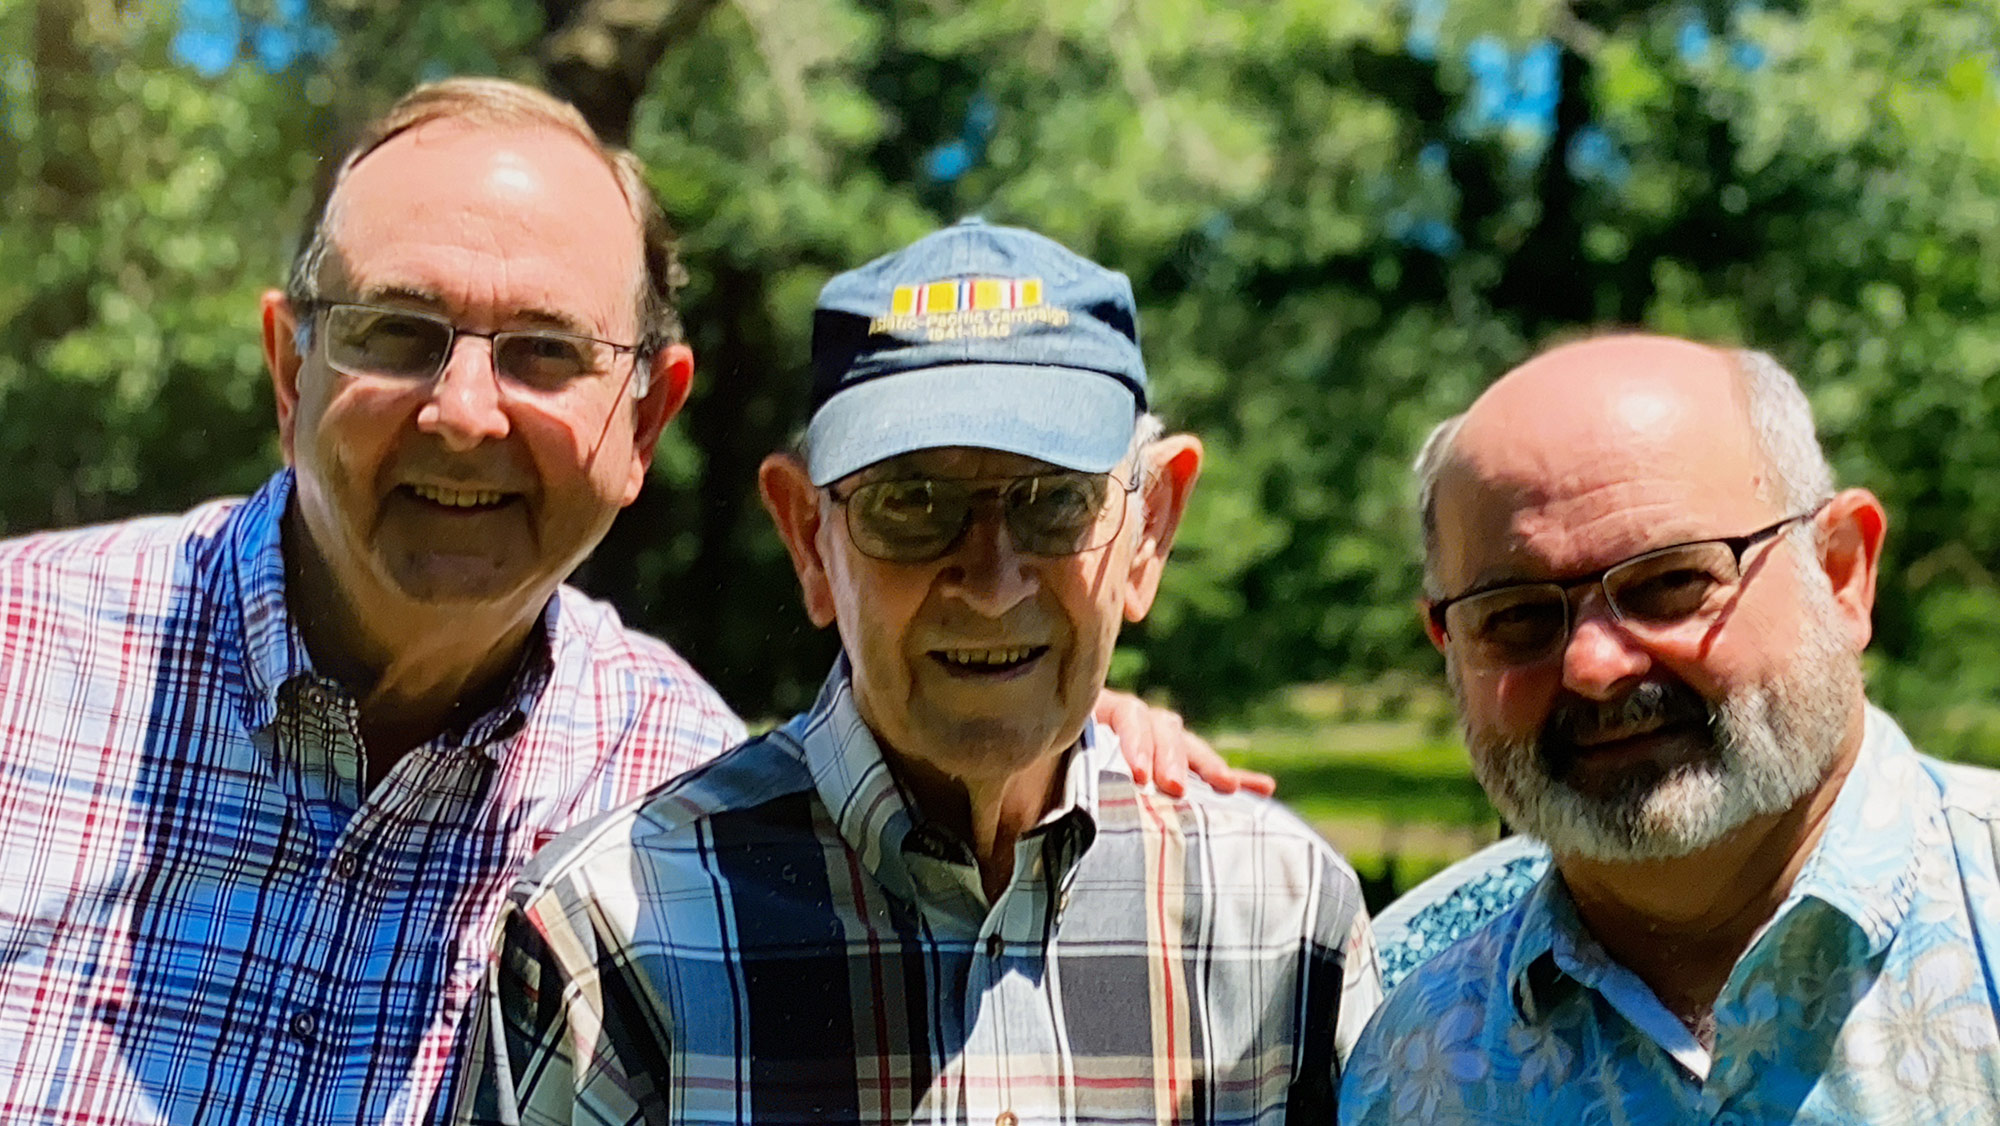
<point x="990" y="814"/>
<point x="1681" y="924"/>
<point x="414" y="669"/>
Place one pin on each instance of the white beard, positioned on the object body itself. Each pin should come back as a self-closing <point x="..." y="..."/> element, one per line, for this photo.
<point x="1771" y="745"/>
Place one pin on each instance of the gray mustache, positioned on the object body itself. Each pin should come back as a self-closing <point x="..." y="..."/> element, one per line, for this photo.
<point x="1576" y="720"/>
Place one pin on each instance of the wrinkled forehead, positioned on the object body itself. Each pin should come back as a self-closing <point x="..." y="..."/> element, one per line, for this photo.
<point x="1575" y="491"/>
<point x="451" y="204"/>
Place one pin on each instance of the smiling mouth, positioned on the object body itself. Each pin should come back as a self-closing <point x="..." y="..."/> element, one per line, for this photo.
<point x="983" y="662"/>
<point x="1615" y="736"/>
<point x="463" y="500"/>
<point x="1654" y="747"/>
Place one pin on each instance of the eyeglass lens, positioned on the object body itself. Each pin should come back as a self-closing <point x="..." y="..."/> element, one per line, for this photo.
<point x="919" y="519"/>
<point x="365" y="340"/>
<point x="1660" y="590"/>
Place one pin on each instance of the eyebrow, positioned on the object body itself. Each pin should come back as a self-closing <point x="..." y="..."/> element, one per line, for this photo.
<point x="431" y="301"/>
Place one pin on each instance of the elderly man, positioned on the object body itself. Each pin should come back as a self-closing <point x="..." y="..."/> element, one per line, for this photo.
<point x="1764" y="905"/>
<point x="267" y="769"/>
<point x="939" y="895"/>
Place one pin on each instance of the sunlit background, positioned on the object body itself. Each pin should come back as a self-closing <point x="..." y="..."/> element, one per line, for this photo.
<point x="1343" y="218"/>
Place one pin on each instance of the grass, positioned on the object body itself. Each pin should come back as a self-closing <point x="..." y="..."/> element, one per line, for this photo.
<point x="1378" y="771"/>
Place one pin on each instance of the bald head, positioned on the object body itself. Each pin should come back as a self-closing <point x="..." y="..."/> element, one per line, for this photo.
<point x="499" y="105"/>
<point x="1601" y="417"/>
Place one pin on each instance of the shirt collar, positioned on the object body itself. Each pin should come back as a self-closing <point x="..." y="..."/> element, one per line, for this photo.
<point x="1546" y="915"/>
<point x="1864" y="866"/>
<point x="869" y="807"/>
<point x="275" y="654"/>
<point x="272" y="648"/>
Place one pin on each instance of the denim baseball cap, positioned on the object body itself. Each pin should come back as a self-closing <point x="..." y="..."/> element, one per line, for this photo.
<point x="975" y="335"/>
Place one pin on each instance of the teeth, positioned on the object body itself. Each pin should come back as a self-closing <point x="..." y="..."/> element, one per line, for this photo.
<point x="974" y="657"/>
<point x="457" y="498"/>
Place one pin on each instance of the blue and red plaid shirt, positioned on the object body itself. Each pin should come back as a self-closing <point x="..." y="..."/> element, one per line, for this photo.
<point x="203" y="917"/>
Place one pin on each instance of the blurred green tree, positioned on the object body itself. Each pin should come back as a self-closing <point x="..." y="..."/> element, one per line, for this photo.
<point x="1343" y="218"/>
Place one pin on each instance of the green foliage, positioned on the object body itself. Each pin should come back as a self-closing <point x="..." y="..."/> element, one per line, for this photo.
<point x="1332" y="248"/>
<point x="139" y="205"/>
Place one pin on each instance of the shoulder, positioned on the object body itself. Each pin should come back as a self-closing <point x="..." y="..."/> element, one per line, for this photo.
<point x="642" y="672"/>
<point x="1971" y="791"/>
<point x="88" y="586"/>
<point x="668" y="835"/>
<point x="1237" y="839"/>
<point x="104" y="550"/>
<point x="1204" y="814"/>
<point x="1429" y="918"/>
<point x="1969" y="798"/>
<point x="1442" y="1016"/>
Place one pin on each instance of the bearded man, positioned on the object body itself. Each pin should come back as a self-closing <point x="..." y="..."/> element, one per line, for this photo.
<point x="1764" y="905"/>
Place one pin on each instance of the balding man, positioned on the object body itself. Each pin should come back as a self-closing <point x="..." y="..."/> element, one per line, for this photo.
<point x="267" y="768"/>
<point x="1764" y="905"/>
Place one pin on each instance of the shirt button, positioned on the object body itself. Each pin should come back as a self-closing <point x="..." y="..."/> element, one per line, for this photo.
<point x="994" y="945"/>
<point x="303" y="1025"/>
<point x="1006" y="1118"/>
<point x="347" y="865"/>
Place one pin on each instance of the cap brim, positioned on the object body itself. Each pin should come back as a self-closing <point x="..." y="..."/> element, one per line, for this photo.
<point x="1075" y="419"/>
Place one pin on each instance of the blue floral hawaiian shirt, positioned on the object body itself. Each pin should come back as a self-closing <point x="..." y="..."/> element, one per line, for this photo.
<point x="1870" y="997"/>
<point x="1426" y="920"/>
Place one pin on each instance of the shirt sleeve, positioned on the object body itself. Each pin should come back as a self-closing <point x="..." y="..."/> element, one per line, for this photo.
<point x="1342" y="989"/>
<point x="1361" y="985"/>
<point x="555" y="1033"/>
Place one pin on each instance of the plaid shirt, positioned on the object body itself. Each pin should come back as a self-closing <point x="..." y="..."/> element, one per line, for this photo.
<point x="202" y="916"/>
<point x="779" y="939"/>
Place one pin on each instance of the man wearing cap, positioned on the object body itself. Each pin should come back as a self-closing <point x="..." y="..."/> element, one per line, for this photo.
<point x="939" y="894"/>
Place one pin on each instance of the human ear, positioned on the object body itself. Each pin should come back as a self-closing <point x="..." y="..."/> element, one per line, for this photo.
<point x="660" y="386"/>
<point x="1172" y="464"/>
<point x="1431" y="628"/>
<point x="1851" y="529"/>
<point x="283" y="362"/>
<point x="794" y="504"/>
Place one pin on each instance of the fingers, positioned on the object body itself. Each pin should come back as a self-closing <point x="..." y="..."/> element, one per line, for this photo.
<point x="1171" y="746"/>
<point x="1256" y="782"/>
<point x="1126" y="716"/>
<point x="1178" y="751"/>
<point x="1161" y="750"/>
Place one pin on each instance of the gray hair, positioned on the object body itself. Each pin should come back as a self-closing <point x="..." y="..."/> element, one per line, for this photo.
<point x="1780" y="421"/>
<point x="1781" y="418"/>
<point x="1432" y="457"/>
<point x="496" y="101"/>
<point x="1146" y="429"/>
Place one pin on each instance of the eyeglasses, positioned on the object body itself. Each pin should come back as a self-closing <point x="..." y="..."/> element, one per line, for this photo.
<point x="1658" y="595"/>
<point x="922" y="519"/>
<point x="406" y="344"/>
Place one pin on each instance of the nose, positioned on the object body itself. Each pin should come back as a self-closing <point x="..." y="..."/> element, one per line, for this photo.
<point x="1601" y="659"/>
<point x="987" y="572"/>
<point x="464" y="408"/>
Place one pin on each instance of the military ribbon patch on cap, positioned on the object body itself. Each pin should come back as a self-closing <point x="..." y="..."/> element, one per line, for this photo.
<point x="953" y="308"/>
